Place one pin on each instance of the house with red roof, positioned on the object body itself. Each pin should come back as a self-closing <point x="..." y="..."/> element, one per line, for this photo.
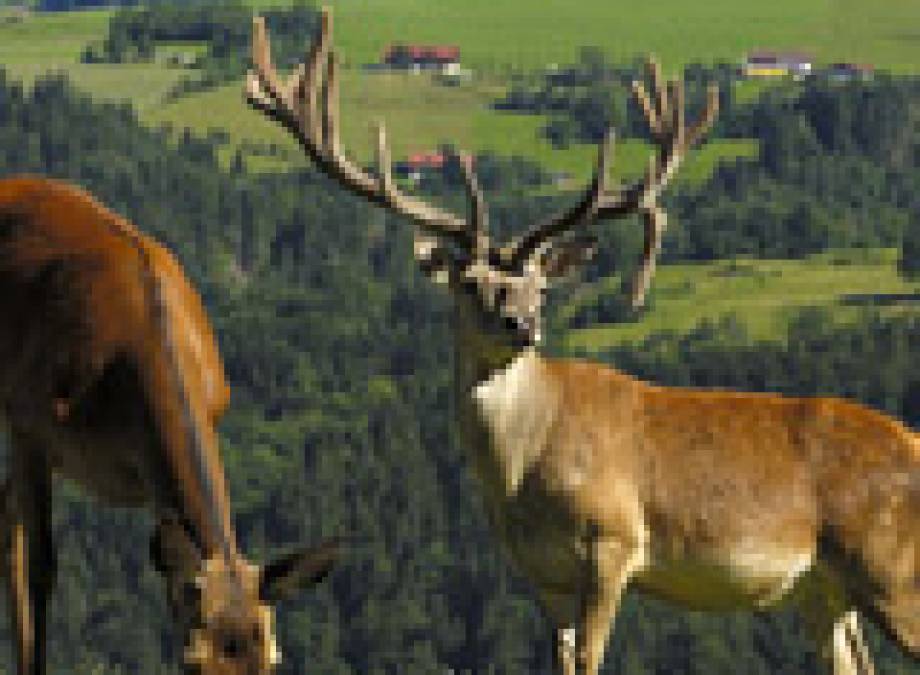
<point x="419" y="164"/>
<point x="442" y="58"/>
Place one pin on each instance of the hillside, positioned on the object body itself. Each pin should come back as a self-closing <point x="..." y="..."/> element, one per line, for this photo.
<point x="496" y="41"/>
<point x="762" y="295"/>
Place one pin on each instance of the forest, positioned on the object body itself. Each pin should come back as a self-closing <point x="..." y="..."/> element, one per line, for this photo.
<point x="339" y="355"/>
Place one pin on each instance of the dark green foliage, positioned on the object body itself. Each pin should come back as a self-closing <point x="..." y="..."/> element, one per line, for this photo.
<point x="585" y="98"/>
<point x="838" y="167"/>
<point x="339" y="357"/>
<point x="68" y="5"/>
<point x="224" y="27"/>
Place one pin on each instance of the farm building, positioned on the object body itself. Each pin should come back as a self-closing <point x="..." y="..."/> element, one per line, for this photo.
<point x="419" y="164"/>
<point x="777" y="64"/>
<point x="443" y="58"/>
<point x="846" y="72"/>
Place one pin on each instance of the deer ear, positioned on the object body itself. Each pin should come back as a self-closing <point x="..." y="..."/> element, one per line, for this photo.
<point x="432" y="258"/>
<point x="295" y="571"/>
<point x="562" y="257"/>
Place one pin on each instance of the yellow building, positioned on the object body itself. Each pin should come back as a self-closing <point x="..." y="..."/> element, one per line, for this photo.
<point x="777" y="64"/>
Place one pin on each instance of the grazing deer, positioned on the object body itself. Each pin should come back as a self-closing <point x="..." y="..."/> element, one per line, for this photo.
<point x="110" y="376"/>
<point x="594" y="479"/>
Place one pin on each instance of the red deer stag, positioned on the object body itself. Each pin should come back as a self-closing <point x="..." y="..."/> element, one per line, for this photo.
<point x="110" y="376"/>
<point x="594" y="479"/>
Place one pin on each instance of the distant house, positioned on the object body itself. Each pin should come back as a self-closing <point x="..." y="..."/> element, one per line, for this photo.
<point x="777" y="64"/>
<point x="846" y="72"/>
<point x="442" y="58"/>
<point x="418" y="165"/>
<point x="14" y="14"/>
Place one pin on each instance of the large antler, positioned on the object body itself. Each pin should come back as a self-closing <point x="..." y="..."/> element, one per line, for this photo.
<point x="665" y="116"/>
<point x="307" y="106"/>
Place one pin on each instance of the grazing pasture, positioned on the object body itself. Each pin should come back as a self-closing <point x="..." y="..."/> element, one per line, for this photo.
<point x="763" y="295"/>
<point x="529" y="35"/>
<point x="496" y="38"/>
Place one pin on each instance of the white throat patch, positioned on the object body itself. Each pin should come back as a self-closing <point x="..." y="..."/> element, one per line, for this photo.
<point x="517" y="408"/>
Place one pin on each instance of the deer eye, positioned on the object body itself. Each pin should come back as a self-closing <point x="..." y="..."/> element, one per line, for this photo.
<point x="232" y="646"/>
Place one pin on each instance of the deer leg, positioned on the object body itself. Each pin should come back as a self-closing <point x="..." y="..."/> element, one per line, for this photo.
<point x="850" y="654"/>
<point x="30" y="556"/>
<point x="566" y="650"/>
<point x="595" y="630"/>
<point x="610" y="566"/>
<point x="832" y="624"/>
<point x="900" y="619"/>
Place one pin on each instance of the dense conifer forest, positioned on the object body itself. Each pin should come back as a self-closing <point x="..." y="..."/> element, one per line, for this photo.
<point x="339" y="357"/>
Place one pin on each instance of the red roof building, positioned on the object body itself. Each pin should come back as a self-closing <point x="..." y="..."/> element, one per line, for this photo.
<point x="424" y="56"/>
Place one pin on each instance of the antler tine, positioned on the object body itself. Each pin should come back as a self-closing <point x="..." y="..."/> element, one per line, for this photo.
<point x="655" y="223"/>
<point x="330" y="125"/>
<point x="316" y="86"/>
<point x="678" y="113"/>
<point x="658" y="109"/>
<point x="261" y="56"/>
<point x="514" y="254"/>
<point x="660" y="89"/>
<point x="665" y="114"/>
<point x="478" y="215"/>
<point x="384" y="163"/>
<point x="649" y="109"/>
<point x="307" y="107"/>
<point x="699" y="128"/>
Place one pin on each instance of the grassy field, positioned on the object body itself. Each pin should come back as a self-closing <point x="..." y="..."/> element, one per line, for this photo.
<point x="54" y="41"/>
<point x="497" y="33"/>
<point x="419" y="113"/>
<point x="763" y="293"/>
<point x="49" y="40"/>
<point x="502" y="34"/>
<point x="495" y="37"/>
<point x="418" y="116"/>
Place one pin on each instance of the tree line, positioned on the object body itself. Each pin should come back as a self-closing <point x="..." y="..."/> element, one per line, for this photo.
<point x="225" y="29"/>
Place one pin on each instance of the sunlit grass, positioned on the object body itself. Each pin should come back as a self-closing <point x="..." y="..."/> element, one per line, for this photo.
<point x="497" y="34"/>
<point x="764" y="294"/>
<point x="494" y="37"/>
<point x="46" y="41"/>
<point x="420" y="115"/>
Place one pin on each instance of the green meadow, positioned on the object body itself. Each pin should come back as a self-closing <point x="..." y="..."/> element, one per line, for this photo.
<point x="763" y="294"/>
<point x="529" y="35"/>
<point x="418" y="115"/>
<point x="495" y="38"/>
<point x="53" y="42"/>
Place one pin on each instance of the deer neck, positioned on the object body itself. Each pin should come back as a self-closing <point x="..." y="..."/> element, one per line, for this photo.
<point x="178" y="381"/>
<point x="506" y="406"/>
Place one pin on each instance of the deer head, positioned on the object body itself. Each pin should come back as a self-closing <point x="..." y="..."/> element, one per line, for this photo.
<point x="501" y="285"/>
<point x="223" y="604"/>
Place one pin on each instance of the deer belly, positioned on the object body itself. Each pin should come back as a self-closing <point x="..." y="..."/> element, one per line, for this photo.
<point x="728" y="579"/>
